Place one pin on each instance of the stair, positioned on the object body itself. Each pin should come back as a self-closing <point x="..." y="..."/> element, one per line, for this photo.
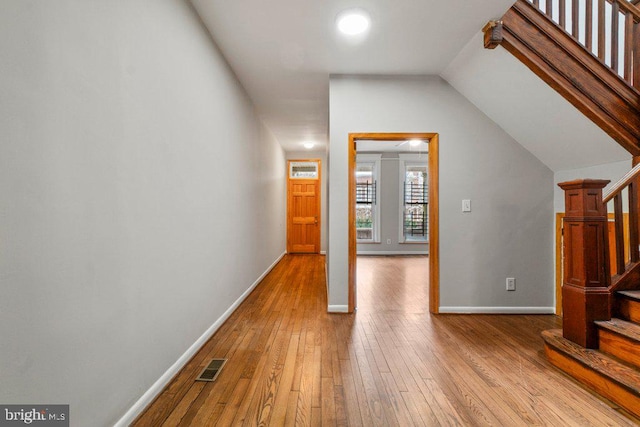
<point x="629" y="305"/>
<point x="612" y="370"/>
<point x="578" y="75"/>
<point x="591" y="57"/>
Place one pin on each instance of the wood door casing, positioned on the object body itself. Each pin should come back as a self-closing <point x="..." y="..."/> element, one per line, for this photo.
<point x="303" y="212"/>
<point x="434" y="227"/>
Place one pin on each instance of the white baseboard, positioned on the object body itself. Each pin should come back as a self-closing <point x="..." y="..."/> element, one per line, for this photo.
<point x="497" y="310"/>
<point x="338" y="309"/>
<point x="162" y="382"/>
<point x="393" y="253"/>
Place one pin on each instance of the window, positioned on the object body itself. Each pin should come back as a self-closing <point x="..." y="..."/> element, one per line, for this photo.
<point x="367" y="201"/>
<point x="303" y="170"/>
<point x="414" y="212"/>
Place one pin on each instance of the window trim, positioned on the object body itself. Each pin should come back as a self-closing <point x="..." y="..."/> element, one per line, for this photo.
<point x="406" y="159"/>
<point x="375" y="160"/>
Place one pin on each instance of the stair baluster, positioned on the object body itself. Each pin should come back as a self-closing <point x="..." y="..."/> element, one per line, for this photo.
<point x="617" y="22"/>
<point x="626" y="232"/>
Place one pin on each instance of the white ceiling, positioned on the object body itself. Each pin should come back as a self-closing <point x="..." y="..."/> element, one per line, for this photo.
<point x="283" y="51"/>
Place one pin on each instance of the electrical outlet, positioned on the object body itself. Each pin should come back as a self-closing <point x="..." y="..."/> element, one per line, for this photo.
<point x="511" y="284"/>
<point x="466" y="205"/>
<point x="388" y="241"/>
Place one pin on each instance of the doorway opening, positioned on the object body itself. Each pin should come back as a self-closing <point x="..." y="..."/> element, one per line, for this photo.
<point x="418" y="210"/>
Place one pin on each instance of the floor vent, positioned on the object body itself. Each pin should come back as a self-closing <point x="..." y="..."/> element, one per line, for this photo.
<point x="210" y="373"/>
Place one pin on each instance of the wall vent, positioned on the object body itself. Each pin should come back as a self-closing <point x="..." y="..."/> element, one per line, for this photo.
<point x="211" y="371"/>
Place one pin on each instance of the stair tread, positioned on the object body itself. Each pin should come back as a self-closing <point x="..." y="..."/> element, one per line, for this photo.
<point x="634" y="295"/>
<point x="618" y="372"/>
<point x="622" y="327"/>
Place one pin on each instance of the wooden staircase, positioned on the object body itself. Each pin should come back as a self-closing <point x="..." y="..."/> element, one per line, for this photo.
<point x="587" y="70"/>
<point x="599" y="344"/>
<point x="612" y="370"/>
<point x="589" y="52"/>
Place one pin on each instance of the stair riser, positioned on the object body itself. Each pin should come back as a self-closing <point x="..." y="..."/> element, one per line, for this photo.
<point x="629" y="310"/>
<point x="595" y="381"/>
<point x="620" y="347"/>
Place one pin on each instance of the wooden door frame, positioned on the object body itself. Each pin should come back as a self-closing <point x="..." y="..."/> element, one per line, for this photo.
<point x="434" y="230"/>
<point x="319" y="179"/>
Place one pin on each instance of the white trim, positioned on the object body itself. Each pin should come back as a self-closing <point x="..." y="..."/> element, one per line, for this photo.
<point x="323" y="252"/>
<point x="408" y="159"/>
<point x="162" y="382"/>
<point x="498" y="310"/>
<point x="377" y="171"/>
<point x="338" y="309"/>
<point x="393" y="253"/>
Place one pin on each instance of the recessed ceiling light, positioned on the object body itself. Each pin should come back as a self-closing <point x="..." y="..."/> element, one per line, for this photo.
<point x="415" y="142"/>
<point x="309" y="145"/>
<point x="353" y="22"/>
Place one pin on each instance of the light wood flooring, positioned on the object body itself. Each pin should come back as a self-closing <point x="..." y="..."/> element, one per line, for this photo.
<point x="390" y="364"/>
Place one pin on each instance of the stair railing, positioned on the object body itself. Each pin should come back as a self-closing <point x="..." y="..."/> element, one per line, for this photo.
<point x="610" y="29"/>
<point x="626" y="234"/>
<point x="588" y="285"/>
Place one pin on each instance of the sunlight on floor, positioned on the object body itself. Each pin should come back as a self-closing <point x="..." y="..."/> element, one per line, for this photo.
<point x="393" y="283"/>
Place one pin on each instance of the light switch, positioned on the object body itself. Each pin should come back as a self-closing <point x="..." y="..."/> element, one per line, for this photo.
<point x="466" y="205"/>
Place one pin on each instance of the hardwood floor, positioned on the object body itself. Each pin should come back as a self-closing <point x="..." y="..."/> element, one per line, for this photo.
<point x="392" y="363"/>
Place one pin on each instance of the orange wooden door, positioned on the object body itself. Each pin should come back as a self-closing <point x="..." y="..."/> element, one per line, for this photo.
<point x="303" y="210"/>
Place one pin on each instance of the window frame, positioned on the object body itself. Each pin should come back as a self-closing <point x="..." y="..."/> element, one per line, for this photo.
<point x="405" y="160"/>
<point x="374" y="160"/>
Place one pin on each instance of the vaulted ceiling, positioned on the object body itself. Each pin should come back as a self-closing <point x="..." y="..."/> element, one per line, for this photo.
<point x="284" y="51"/>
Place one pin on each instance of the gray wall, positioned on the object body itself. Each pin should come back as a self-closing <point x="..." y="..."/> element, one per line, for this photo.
<point x="389" y="199"/>
<point x="611" y="171"/>
<point x="528" y="109"/>
<point x="509" y="232"/>
<point x="131" y="167"/>
<point x="322" y="155"/>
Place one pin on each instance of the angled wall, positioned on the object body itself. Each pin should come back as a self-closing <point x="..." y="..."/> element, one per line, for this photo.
<point x="529" y="110"/>
<point x="141" y="198"/>
<point x="509" y="231"/>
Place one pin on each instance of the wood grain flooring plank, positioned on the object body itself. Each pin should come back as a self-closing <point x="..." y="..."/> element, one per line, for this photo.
<point x="357" y="404"/>
<point x="316" y="417"/>
<point x="390" y="363"/>
<point x="284" y="387"/>
<point x="262" y="402"/>
<point x="183" y="405"/>
<point x="406" y="415"/>
<point x="305" y="395"/>
<point x="328" y="404"/>
<point x="316" y="378"/>
<point x="231" y="408"/>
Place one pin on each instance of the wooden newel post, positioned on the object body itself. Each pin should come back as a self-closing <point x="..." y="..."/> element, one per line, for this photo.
<point x="585" y="293"/>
